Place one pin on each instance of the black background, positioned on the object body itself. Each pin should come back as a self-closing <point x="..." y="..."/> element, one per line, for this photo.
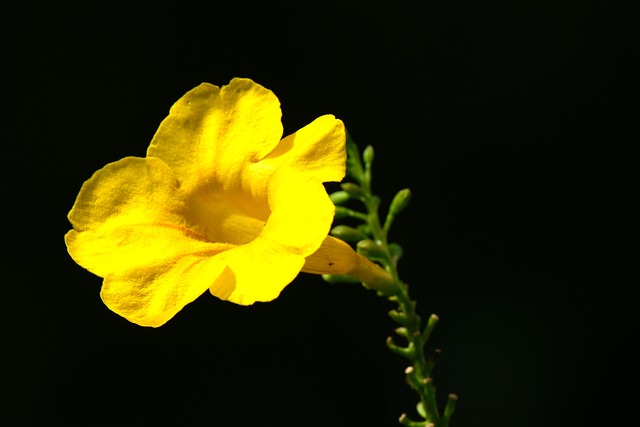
<point x="514" y="123"/>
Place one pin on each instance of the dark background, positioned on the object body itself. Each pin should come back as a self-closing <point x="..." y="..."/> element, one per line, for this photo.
<point x="513" y="124"/>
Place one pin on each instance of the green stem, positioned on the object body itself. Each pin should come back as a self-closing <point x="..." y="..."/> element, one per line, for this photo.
<point x="419" y="372"/>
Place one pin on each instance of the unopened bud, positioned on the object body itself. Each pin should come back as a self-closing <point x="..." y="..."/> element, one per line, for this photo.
<point x="346" y="233"/>
<point x="400" y="201"/>
<point x="421" y="410"/>
<point x="352" y="189"/>
<point x="354" y="166"/>
<point x="367" y="155"/>
<point x="371" y="249"/>
<point x="402" y="331"/>
<point x="398" y="317"/>
<point x="365" y="229"/>
<point x="338" y="278"/>
<point x="395" y="250"/>
<point x="342" y="212"/>
<point x="339" y="197"/>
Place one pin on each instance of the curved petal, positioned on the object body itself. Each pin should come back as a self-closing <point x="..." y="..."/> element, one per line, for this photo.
<point x="334" y="256"/>
<point x="123" y="249"/>
<point x="131" y="227"/>
<point x="258" y="271"/>
<point x="211" y="134"/>
<point x="216" y="171"/>
<point x="301" y="212"/>
<point x="318" y="148"/>
<point x="151" y="294"/>
<point x="130" y="191"/>
<point x="227" y="216"/>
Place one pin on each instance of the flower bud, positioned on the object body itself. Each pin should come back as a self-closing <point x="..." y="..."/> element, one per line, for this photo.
<point x="346" y="233"/>
<point x="371" y="249"/>
<point x="431" y="324"/>
<point x="402" y="331"/>
<point x="395" y="250"/>
<point x="421" y="410"/>
<point x="364" y="229"/>
<point x="339" y="197"/>
<point x="354" y="166"/>
<point x="400" y="201"/>
<point x="342" y="212"/>
<point x="367" y="155"/>
<point x="352" y="189"/>
<point x="338" y="278"/>
<point x="398" y="317"/>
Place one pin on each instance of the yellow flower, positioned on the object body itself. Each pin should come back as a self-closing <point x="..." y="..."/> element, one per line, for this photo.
<point x="219" y="203"/>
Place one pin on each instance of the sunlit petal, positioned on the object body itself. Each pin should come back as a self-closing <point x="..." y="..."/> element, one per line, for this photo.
<point x="219" y="203"/>
<point x="317" y="148"/>
<point x="212" y="133"/>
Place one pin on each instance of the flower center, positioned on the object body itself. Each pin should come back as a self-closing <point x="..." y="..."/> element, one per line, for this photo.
<point x="232" y="217"/>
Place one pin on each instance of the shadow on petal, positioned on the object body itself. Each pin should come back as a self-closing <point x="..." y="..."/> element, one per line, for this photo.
<point x="224" y="285"/>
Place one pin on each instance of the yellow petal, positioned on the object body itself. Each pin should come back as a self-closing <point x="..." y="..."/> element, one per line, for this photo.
<point x="318" y="148"/>
<point x="301" y="211"/>
<point x="151" y="294"/>
<point x="228" y="216"/>
<point x="219" y="203"/>
<point x="131" y="226"/>
<point x="337" y="257"/>
<point x="258" y="271"/>
<point x="125" y="248"/>
<point x="301" y="214"/>
<point x="130" y="191"/>
<point x="333" y="257"/>
<point x="211" y="134"/>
